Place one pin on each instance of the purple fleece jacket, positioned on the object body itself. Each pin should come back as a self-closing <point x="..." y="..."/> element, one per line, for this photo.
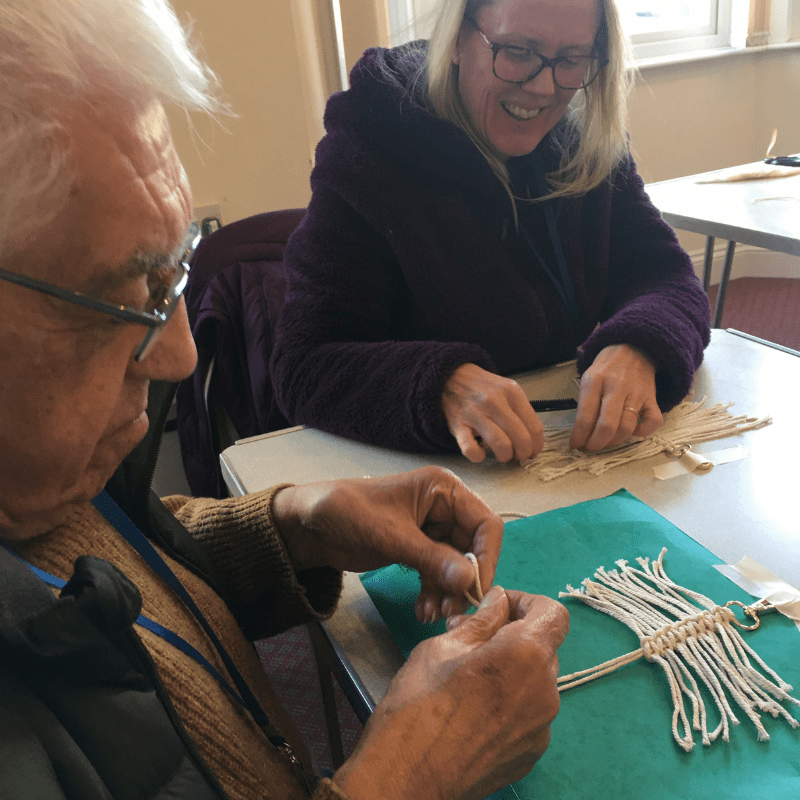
<point x="408" y="264"/>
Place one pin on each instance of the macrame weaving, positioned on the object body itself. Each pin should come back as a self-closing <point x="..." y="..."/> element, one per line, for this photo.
<point x="687" y="424"/>
<point x="687" y="635"/>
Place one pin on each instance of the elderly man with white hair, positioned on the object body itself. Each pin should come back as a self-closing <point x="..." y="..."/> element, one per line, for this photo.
<point x="126" y="663"/>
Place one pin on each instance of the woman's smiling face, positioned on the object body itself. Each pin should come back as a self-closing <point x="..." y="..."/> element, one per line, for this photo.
<point x="514" y="119"/>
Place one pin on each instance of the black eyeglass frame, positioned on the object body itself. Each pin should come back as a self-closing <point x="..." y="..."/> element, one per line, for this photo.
<point x="546" y="62"/>
<point x="154" y="320"/>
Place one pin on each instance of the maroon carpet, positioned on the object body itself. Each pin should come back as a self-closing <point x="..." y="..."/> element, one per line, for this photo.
<point x="765" y="307"/>
<point x="289" y="661"/>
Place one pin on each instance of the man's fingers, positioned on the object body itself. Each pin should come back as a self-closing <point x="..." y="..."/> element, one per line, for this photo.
<point x="546" y="619"/>
<point x="442" y="568"/>
<point x="491" y="615"/>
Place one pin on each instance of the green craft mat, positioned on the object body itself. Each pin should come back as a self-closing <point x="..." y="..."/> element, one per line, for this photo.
<point x="612" y="737"/>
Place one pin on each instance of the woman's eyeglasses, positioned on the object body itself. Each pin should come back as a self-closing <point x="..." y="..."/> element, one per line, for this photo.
<point x="518" y="65"/>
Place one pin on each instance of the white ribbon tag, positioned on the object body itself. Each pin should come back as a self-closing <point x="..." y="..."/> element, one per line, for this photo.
<point x="699" y="464"/>
<point x="760" y="582"/>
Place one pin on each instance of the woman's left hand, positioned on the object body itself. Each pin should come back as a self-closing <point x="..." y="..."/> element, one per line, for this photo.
<point x="617" y="399"/>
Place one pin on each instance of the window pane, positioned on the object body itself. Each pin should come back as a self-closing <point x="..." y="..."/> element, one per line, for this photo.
<point x="656" y="27"/>
<point x="643" y="17"/>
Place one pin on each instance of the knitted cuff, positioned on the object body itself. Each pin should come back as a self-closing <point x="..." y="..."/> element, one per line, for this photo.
<point x="241" y="538"/>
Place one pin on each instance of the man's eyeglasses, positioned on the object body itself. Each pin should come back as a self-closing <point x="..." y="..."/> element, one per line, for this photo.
<point x="166" y="285"/>
<point x="519" y="65"/>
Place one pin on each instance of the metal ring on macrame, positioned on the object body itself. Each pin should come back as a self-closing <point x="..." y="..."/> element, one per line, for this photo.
<point x="677" y="450"/>
<point x="749" y="610"/>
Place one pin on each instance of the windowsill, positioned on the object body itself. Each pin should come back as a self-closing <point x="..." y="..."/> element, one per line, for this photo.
<point x="691" y="57"/>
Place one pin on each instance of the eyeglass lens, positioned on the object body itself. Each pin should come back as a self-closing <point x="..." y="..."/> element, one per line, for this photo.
<point x="167" y="285"/>
<point x="518" y="64"/>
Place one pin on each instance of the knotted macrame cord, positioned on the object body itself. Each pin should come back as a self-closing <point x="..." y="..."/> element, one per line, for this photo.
<point x="701" y="637"/>
<point x="687" y="424"/>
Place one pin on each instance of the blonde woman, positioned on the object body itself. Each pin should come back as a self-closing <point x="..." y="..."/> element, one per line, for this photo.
<point x="476" y="213"/>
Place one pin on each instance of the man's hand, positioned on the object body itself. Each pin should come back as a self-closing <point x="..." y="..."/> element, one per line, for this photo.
<point x="425" y="519"/>
<point x="617" y="399"/>
<point x="481" y="404"/>
<point x="470" y="711"/>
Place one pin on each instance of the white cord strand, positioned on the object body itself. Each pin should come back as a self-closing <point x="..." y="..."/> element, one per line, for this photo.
<point x="477" y="582"/>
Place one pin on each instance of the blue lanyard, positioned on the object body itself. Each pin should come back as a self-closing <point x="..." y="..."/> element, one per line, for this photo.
<point x="120" y="520"/>
<point x="564" y="285"/>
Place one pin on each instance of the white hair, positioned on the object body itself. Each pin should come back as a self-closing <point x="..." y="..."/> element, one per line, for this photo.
<point x="56" y="54"/>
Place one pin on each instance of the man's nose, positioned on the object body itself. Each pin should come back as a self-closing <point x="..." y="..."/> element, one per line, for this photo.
<point x="173" y="356"/>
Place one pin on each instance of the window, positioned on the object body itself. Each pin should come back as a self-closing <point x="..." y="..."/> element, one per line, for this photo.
<point x="657" y="27"/>
<point x="664" y="27"/>
<point x="410" y="19"/>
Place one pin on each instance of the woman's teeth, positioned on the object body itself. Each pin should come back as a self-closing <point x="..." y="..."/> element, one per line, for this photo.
<point x="520" y="113"/>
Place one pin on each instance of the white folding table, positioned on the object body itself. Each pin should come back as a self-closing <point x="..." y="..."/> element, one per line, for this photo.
<point x="762" y="213"/>
<point x="748" y="507"/>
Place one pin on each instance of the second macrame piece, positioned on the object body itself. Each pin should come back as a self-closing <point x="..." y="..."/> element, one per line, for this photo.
<point x="687" y="424"/>
<point x="691" y="638"/>
<point x="694" y="641"/>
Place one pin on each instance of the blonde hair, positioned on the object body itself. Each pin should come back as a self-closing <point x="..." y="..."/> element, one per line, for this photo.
<point x="593" y="141"/>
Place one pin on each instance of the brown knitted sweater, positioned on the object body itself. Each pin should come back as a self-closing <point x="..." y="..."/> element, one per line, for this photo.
<point x="244" y="544"/>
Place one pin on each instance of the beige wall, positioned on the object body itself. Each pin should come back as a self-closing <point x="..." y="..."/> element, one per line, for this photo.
<point x="685" y="118"/>
<point x="259" y="160"/>
<point x="702" y="115"/>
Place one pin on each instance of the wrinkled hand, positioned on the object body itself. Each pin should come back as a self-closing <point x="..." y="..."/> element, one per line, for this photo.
<point x="480" y="403"/>
<point x="425" y="519"/>
<point x="470" y="711"/>
<point x="621" y="378"/>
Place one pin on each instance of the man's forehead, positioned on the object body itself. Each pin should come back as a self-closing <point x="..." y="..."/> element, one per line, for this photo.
<point x="130" y="202"/>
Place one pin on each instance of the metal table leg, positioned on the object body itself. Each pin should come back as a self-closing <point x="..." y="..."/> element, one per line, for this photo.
<point x="723" y="285"/>
<point x="321" y="649"/>
<point x="708" y="263"/>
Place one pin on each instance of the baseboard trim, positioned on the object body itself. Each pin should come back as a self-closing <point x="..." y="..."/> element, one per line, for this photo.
<point x="748" y="262"/>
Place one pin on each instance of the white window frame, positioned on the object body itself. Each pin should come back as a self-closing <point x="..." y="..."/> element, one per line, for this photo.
<point x="401" y="20"/>
<point x="403" y="13"/>
<point x="674" y="42"/>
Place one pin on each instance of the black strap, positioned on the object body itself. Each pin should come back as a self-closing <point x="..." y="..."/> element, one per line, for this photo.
<point x="562" y="282"/>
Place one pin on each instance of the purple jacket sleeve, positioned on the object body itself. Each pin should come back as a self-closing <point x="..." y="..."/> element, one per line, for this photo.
<point x="334" y="353"/>
<point x="654" y="300"/>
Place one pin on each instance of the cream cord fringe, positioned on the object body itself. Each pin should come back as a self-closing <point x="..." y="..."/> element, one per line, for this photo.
<point x="687" y="424"/>
<point x="678" y="634"/>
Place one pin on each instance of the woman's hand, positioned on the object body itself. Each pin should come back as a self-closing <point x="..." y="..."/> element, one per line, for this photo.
<point x="425" y="519"/>
<point x="470" y="711"/>
<point x="617" y="399"/>
<point x="481" y="404"/>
